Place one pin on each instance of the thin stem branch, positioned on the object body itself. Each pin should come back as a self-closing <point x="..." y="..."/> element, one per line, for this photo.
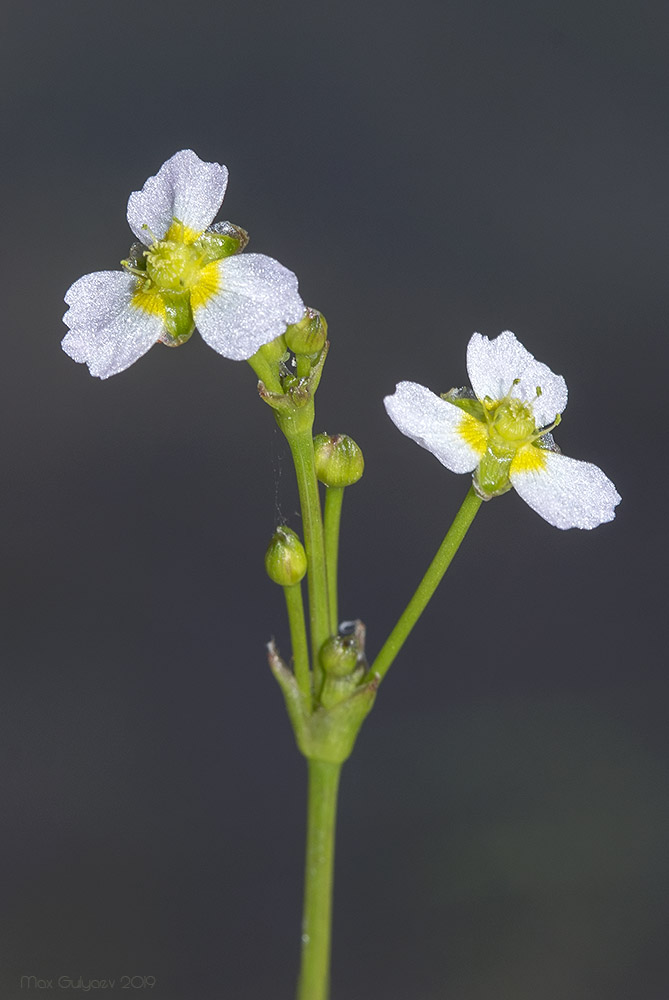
<point x="265" y="363"/>
<point x="298" y="638"/>
<point x="334" y="496"/>
<point x="428" y="584"/>
<point x="302" y="449"/>
<point x="318" y="880"/>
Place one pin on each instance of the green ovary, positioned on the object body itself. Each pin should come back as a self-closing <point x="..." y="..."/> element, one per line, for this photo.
<point x="512" y="424"/>
<point x="173" y="266"/>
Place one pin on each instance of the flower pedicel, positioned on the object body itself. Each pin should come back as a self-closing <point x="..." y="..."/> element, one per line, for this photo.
<point x="184" y="273"/>
<point x="501" y="433"/>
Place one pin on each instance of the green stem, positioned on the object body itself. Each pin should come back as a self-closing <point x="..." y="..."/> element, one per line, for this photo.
<point x="428" y="584"/>
<point x="265" y="363"/>
<point x="298" y="430"/>
<point x="334" y="496"/>
<point x="314" y="981"/>
<point x="298" y="638"/>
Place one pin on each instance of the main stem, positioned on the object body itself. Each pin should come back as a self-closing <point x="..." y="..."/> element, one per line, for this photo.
<point x="428" y="584"/>
<point x="314" y="981"/>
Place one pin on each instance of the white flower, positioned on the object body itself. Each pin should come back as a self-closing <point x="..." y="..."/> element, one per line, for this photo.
<point x="501" y="433"/>
<point x="182" y="274"/>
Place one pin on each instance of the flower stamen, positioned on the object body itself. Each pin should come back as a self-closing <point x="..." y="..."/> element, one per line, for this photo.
<point x="548" y="428"/>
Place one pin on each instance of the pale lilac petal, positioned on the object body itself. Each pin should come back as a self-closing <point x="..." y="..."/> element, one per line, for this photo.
<point x="493" y="365"/>
<point x="437" y="425"/>
<point x="185" y="188"/>
<point x="567" y="493"/>
<point x="258" y="299"/>
<point x="107" y="332"/>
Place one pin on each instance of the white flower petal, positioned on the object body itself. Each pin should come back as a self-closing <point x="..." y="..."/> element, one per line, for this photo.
<point x="567" y="493"/>
<point x="185" y="188"/>
<point x="106" y="330"/>
<point x="493" y="365"/>
<point x="434" y="424"/>
<point x="257" y="300"/>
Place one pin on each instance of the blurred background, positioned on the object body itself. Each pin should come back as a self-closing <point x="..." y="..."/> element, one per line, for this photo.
<point x="427" y="170"/>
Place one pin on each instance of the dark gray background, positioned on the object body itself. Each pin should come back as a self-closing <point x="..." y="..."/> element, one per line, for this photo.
<point x="427" y="170"/>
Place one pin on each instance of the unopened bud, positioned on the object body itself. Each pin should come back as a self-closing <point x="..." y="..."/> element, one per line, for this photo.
<point x="309" y="335"/>
<point x="285" y="559"/>
<point x="343" y="661"/>
<point x="339" y="460"/>
<point x="339" y="655"/>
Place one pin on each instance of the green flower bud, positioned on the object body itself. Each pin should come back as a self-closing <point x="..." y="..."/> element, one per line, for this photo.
<point x="339" y="460"/>
<point x="339" y="655"/>
<point x="285" y="559"/>
<point x="309" y="335"/>
<point x="343" y="663"/>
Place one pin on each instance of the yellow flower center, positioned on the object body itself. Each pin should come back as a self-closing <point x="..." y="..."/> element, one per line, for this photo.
<point x="178" y="275"/>
<point x="173" y="266"/>
<point x="511" y="424"/>
<point x="511" y="443"/>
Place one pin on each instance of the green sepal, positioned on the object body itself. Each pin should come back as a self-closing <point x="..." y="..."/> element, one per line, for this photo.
<point x="223" y="239"/>
<point x="178" y="316"/>
<point x="326" y="733"/>
<point x="216" y="246"/>
<point x="491" y="478"/>
<point x="465" y="400"/>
